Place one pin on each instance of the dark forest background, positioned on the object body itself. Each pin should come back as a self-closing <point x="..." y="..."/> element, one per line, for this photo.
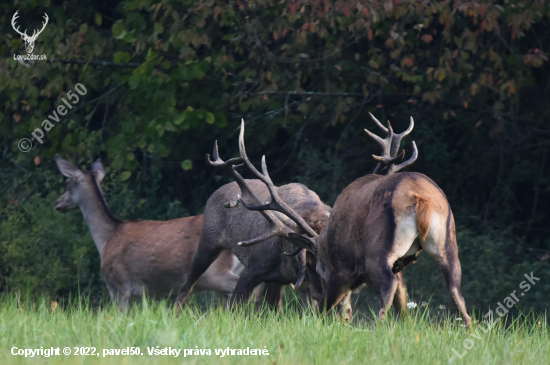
<point x="165" y="79"/>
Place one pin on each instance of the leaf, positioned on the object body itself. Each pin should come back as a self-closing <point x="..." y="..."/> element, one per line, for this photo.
<point x="442" y="74"/>
<point x="98" y="19"/>
<point x="187" y="165"/>
<point x="121" y="57"/>
<point x="210" y="118"/>
<point x="44" y="106"/>
<point x="118" y="28"/>
<point x="427" y="38"/>
<point x="347" y="12"/>
<point x="512" y="87"/>
<point x="117" y="162"/>
<point x="125" y="175"/>
<point x="151" y="55"/>
<point x="180" y="118"/>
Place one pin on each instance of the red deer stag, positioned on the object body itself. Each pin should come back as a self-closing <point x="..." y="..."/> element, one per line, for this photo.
<point x="141" y="256"/>
<point x="223" y="228"/>
<point x="378" y="225"/>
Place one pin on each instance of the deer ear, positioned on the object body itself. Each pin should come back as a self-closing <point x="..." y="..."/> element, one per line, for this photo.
<point x="97" y="169"/>
<point x="66" y="168"/>
<point x="308" y="243"/>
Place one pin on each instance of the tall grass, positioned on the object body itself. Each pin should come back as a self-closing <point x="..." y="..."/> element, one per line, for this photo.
<point x="292" y="336"/>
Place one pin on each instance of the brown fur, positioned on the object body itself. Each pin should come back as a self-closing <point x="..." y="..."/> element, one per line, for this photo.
<point x="143" y="256"/>
<point x="377" y="227"/>
<point x="224" y="227"/>
<point x="423" y="210"/>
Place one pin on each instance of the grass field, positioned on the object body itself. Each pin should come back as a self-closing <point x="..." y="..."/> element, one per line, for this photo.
<point x="292" y="337"/>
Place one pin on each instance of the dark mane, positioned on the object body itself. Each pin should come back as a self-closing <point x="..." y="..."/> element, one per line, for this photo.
<point x="102" y="199"/>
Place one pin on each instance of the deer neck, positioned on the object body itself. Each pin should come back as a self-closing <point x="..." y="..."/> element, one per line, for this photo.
<point x="101" y="222"/>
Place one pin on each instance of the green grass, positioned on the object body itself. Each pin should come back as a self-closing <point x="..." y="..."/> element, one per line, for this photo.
<point x="291" y="337"/>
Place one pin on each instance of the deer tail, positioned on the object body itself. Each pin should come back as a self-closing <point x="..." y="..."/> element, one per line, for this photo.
<point x="423" y="208"/>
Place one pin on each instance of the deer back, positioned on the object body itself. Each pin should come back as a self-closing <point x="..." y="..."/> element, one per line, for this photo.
<point x="372" y="212"/>
<point x="233" y="225"/>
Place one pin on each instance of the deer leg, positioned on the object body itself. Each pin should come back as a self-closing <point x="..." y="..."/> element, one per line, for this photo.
<point x="274" y="295"/>
<point x="119" y="297"/>
<point x="250" y="278"/>
<point x="122" y="300"/>
<point x="338" y="285"/>
<point x="387" y="283"/>
<point x="344" y="307"/>
<point x="306" y="299"/>
<point x="441" y="245"/>
<point x="452" y="274"/>
<point x="225" y="288"/>
<point x="259" y="293"/>
<point x="270" y="293"/>
<point x="201" y="262"/>
<point x="400" y="299"/>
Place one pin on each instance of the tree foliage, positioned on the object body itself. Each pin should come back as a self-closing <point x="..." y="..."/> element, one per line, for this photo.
<point x="166" y="79"/>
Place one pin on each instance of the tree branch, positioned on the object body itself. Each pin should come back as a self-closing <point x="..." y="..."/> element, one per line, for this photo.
<point x="80" y="61"/>
<point x="304" y="93"/>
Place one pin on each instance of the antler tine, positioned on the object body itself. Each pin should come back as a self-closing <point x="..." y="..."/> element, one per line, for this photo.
<point x="388" y="161"/>
<point x="215" y="151"/>
<point x="264" y="170"/>
<point x="396" y="141"/>
<point x="378" y="123"/>
<point x="44" y="23"/>
<point x="385" y="144"/>
<point x="218" y="162"/>
<point x="13" y="19"/>
<point x="390" y="130"/>
<point x="409" y="130"/>
<point x="409" y="161"/>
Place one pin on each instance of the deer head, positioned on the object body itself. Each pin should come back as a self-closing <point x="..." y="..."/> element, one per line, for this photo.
<point x="29" y="40"/>
<point x="78" y="184"/>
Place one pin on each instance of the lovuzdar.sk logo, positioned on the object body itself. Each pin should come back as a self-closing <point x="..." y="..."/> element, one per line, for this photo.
<point x="29" y="40"/>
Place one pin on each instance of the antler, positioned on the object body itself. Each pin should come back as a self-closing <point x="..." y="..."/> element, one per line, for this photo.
<point x="15" y="16"/>
<point x="389" y="149"/>
<point x="231" y="166"/>
<point x="276" y="202"/>
<point x="43" y="26"/>
<point x="278" y="228"/>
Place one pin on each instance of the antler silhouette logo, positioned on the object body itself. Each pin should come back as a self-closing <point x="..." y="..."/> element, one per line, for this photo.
<point x="29" y="40"/>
